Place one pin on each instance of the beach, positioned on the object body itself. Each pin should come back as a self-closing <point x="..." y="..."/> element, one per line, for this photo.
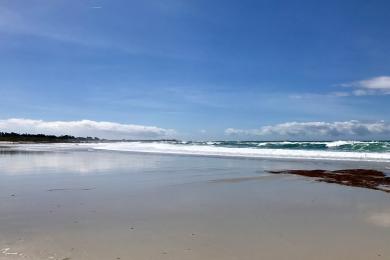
<point x="194" y="130"/>
<point x="80" y="201"/>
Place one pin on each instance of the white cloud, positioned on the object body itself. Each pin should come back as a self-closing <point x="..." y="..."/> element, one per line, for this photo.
<point x="373" y="86"/>
<point x="317" y="129"/>
<point x="382" y="82"/>
<point x="367" y="87"/>
<point x="84" y="128"/>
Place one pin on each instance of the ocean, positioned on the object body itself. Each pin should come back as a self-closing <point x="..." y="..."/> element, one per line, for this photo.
<point x="324" y="150"/>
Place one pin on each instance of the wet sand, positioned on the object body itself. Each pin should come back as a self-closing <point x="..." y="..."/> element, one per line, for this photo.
<point x="112" y="205"/>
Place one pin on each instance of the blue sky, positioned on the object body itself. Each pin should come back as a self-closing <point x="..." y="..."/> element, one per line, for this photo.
<point x="197" y="67"/>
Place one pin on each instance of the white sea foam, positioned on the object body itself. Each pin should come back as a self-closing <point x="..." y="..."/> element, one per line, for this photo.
<point x="339" y="143"/>
<point x="211" y="150"/>
<point x="166" y="148"/>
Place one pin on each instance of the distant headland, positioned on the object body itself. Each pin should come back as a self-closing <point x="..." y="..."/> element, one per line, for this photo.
<point x="42" y="138"/>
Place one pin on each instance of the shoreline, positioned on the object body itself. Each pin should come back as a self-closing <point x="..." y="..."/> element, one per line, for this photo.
<point x="208" y="151"/>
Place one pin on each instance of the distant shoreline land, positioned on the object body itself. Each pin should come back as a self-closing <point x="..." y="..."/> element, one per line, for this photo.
<point x="42" y="138"/>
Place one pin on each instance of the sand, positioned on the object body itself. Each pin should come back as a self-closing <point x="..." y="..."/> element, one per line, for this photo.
<point x="113" y="205"/>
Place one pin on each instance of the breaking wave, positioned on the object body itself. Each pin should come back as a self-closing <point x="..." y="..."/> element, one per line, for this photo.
<point x="291" y="150"/>
<point x="336" y="150"/>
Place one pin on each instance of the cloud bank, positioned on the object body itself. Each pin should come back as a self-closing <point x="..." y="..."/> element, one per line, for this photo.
<point x="320" y="130"/>
<point x="373" y="86"/>
<point x="110" y="130"/>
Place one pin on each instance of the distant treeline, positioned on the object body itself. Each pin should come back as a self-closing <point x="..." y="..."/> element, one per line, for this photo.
<point x="41" y="138"/>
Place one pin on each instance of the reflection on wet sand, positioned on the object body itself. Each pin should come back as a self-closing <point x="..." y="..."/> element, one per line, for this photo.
<point x="239" y="179"/>
<point x="381" y="219"/>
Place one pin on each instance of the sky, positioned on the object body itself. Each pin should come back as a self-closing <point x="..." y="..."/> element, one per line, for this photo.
<point x="196" y="69"/>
